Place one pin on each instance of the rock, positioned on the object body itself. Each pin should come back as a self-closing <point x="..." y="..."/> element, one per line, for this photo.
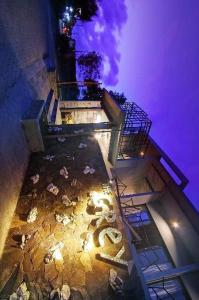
<point x="52" y="189"/>
<point x="21" y="293"/>
<point x="24" y="239"/>
<point x="88" y="170"/>
<point x="64" y="219"/>
<point x="32" y="216"/>
<point x="64" y="172"/>
<point x="61" y="139"/>
<point x="55" y="251"/>
<point x="82" y="146"/>
<point x="49" y="157"/>
<point x="115" y="282"/>
<point x="35" y="178"/>
<point x="66" y="201"/>
<point x="63" y="294"/>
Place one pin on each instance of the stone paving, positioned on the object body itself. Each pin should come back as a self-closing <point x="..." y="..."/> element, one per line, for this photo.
<point x="78" y="265"/>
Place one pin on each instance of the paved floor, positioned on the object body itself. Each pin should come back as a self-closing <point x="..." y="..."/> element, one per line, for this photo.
<point x="80" y="269"/>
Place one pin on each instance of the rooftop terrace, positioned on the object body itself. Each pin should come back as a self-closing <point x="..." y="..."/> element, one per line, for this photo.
<point x="77" y="263"/>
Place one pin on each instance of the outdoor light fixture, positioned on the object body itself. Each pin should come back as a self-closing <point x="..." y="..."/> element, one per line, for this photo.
<point x="142" y="153"/>
<point x="175" y="224"/>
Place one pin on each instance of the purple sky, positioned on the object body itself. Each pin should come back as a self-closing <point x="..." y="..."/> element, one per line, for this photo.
<point x="151" y="49"/>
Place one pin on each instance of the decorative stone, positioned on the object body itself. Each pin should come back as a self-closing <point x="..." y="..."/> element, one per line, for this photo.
<point x="63" y="294"/>
<point x="64" y="172"/>
<point x="61" y="139"/>
<point x="115" y="282"/>
<point x="49" y="157"/>
<point x="24" y="239"/>
<point x="35" y="178"/>
<point x="55" y="251"/>
<point x="66" y="201"/>
<point x="32" y="216"/>
<point x="21" y="293"/>
<point x="64" y="219"/>
<point x="52" y="189"/>
<point x="88" y="170"/>
<point x="82" y="146"/>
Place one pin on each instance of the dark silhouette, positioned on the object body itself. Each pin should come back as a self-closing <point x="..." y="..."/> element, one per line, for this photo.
<point x="84" y="10"/>
<point x="118" y="97"/>
<point x="90" y="65"/>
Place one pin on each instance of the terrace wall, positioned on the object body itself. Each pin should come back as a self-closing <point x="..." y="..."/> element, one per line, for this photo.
<point x="25" y="30"/>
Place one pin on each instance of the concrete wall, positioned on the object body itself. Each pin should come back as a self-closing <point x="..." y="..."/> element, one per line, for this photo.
<point x="24" y="28"/>
<point x="182" y="242"/>
<point x="117" y="116"/>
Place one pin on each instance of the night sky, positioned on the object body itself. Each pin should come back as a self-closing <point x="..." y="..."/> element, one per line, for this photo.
<point x="151" y="53"/>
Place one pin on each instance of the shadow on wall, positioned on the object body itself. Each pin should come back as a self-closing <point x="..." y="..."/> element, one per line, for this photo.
<point x="102" y="35"/>
<point x="22" y="74"/>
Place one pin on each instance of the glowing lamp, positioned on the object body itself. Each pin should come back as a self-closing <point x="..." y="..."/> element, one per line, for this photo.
<point x="142" y="153"/>
<point x="175" y="224"/>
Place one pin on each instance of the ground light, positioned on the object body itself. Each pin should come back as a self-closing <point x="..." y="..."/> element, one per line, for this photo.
<point x="142" y="153"/>
<point x="175" y="224"/>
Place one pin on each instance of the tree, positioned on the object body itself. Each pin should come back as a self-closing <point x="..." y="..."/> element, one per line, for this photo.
<point x="118" y="97"/>
<point x="93" y="91"/>
<point x="90" y="64"/>
<point x="84" y="9"/>
<point x="88" y="8"/>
